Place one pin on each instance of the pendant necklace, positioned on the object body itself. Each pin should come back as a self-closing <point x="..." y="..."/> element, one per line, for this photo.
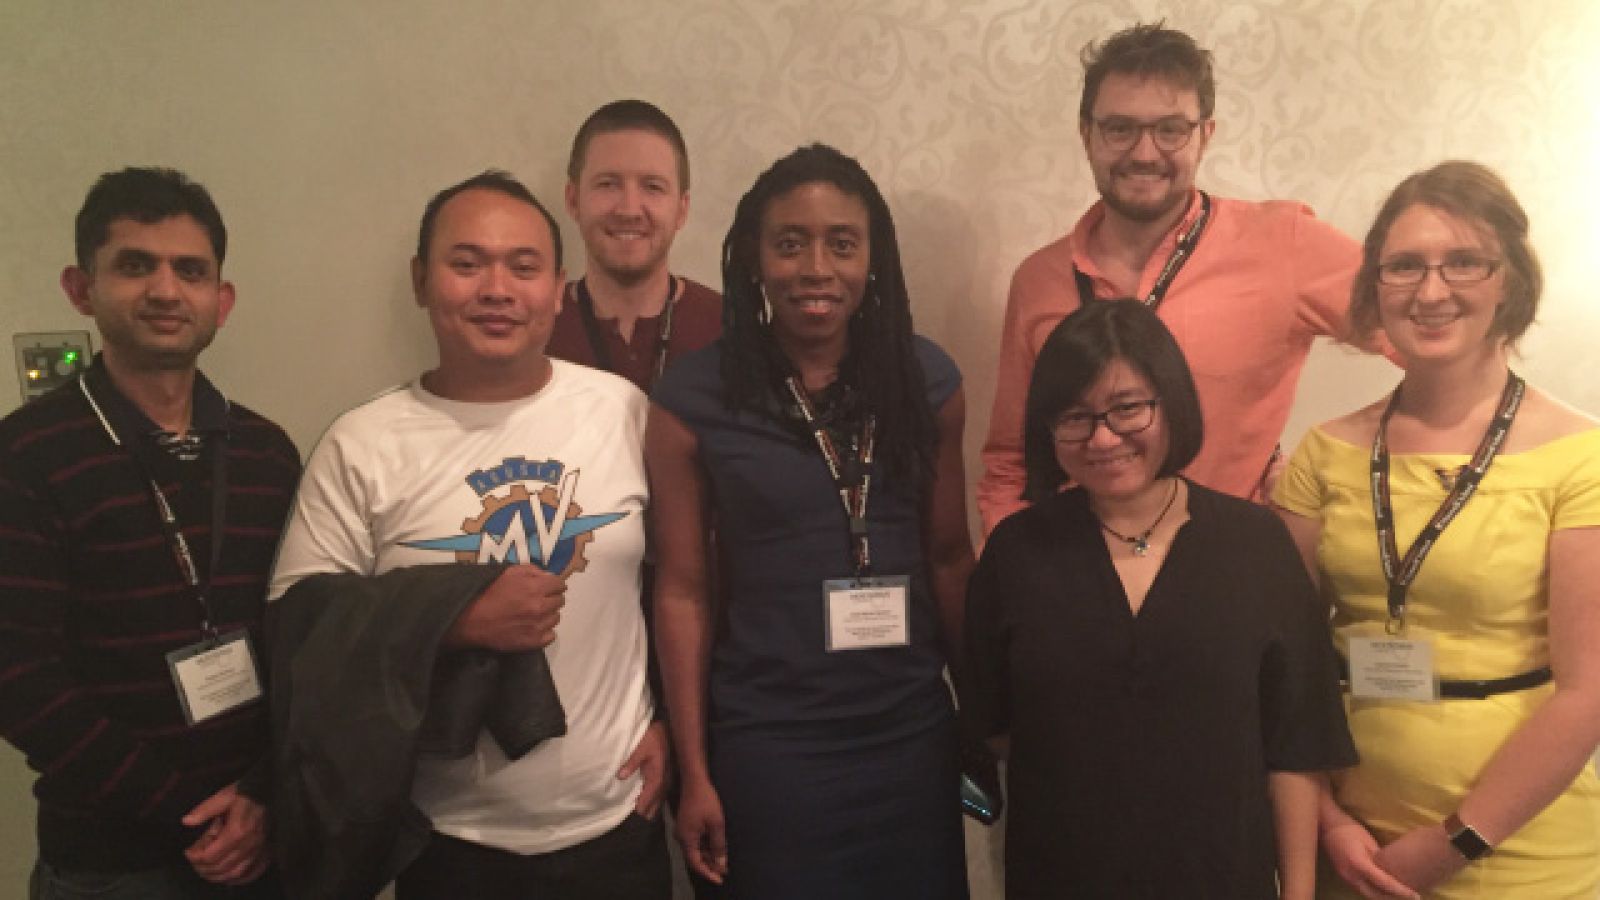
<point x="1141" y="543"/>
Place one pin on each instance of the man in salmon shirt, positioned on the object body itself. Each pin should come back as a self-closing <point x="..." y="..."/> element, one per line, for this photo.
<point x="1245" y="287"/>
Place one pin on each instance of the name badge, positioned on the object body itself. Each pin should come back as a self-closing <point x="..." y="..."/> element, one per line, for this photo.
<point x="864" y="613"/>
<point x="1392" y="668"/>
<point x="213" y="677"/>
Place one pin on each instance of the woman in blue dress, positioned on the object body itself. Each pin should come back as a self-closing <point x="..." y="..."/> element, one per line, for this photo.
<point x="820" y="442"/>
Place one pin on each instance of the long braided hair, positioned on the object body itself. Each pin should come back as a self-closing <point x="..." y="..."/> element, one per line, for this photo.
<point x="880" y="361"/>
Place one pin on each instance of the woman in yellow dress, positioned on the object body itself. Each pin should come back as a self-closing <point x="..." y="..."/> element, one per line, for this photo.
<point x="1455" y="528"/>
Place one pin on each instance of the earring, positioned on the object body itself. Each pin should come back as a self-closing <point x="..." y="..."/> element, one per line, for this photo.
<point x="764" y="315"/>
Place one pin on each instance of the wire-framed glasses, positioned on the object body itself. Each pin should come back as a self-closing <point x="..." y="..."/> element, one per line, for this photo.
<point x="1410" y="271"/>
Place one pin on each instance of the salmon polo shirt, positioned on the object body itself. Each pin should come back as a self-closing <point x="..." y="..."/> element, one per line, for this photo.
<point x="1264" y="280"/>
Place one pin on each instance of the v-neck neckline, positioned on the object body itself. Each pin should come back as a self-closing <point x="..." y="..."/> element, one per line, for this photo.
<point x="1108" y="567"/>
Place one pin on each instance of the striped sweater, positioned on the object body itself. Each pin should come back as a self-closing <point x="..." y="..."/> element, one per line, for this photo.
<point x="92" y="600"/>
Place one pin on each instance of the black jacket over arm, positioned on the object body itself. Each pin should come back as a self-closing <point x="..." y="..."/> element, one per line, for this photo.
<point x="359" y="690"/>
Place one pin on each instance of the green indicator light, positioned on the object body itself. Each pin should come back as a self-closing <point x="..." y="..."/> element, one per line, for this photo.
<point x="69" y="357"/>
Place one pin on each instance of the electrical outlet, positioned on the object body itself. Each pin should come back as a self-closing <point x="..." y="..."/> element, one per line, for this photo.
<point x="48" y="359"/>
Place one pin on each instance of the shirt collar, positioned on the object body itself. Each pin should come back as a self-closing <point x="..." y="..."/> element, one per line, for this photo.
<point x="209" y="413"/>
<point x="1091" y="218"/>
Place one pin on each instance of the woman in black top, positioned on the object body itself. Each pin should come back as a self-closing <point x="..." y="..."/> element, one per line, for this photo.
<point x="1149" y="653"/>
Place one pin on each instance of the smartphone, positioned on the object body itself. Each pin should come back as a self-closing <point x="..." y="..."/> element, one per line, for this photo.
<point x="981" y="804"/>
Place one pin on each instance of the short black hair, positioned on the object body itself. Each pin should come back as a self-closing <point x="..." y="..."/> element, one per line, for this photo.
<point x="1149" y="50"/>
<point x="487" y="180"/>
<point x="628" y="115"/>
<point x="147" y="195"/>
<point x="1073" y="358"/>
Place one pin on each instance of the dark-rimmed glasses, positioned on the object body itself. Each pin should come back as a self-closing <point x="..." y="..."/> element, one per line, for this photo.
<point x="1121" y="419"/>
<point x="1410" y="271"/>
<point x="1171" y="133"/>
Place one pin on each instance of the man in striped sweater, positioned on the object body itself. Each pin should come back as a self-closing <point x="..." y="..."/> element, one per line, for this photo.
<point x="139" y="513"/>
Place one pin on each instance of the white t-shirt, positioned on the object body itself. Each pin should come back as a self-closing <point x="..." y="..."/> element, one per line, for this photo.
<point x="410" y="478"/>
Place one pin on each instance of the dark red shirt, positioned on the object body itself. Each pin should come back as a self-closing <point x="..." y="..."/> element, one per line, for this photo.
<point x="696" y="322"/>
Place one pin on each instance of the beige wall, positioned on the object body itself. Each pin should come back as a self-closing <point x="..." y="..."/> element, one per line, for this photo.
<point x="323" y="127"/>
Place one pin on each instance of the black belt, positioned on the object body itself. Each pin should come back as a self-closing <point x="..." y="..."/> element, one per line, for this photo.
<point x="1476" y="690"/>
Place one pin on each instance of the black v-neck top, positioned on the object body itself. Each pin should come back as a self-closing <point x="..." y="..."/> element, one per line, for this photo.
<point x="1140" y="744"/>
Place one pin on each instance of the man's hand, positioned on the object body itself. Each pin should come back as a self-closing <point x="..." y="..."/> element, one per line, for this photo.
<point x="234" y="848"/>
<point x="652" y="758"/>
<point x="702" y="830"/>
<point x="517" y="612"/>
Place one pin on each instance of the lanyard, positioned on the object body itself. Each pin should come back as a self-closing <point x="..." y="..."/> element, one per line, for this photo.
<point x="1401" y="574"/>
<point x="200" y="588"/>
<point x="852" y="490"/>
<point x="1180" y="255"/>
<point x="597" y="340"/>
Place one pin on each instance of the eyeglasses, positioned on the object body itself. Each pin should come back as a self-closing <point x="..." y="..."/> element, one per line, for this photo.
<point x="1410" y="271"/>
<point x="1122" y="419"/>
<point x="1171" y="133"/>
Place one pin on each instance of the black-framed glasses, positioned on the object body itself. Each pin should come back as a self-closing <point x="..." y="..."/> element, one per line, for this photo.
<point x="1410" y="271"/>
<point x="1171" y="133"/>
<point x="1122" y="419"/>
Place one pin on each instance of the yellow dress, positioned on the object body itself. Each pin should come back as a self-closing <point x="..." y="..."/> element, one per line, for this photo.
<point x="1481" y="598"/>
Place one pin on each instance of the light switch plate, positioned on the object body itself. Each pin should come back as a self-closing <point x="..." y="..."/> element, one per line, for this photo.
<point x="47" y="359"/>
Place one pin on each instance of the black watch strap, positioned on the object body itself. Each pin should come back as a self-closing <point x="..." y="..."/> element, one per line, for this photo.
<point x="1466" y="839"/>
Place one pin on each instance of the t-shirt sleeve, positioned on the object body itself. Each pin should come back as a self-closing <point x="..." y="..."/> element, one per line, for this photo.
<point x="940" y="375"/>
<point x="329" y="528"/>
<point x="1577" y="501"/>
<point x="985" y="703"/>
<point x="1300" y="489"/>
<point x="690" y="383"/>
<point x="1302" y="708"/>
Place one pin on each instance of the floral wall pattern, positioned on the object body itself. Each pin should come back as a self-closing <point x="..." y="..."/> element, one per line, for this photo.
<point x="322" y="128"/>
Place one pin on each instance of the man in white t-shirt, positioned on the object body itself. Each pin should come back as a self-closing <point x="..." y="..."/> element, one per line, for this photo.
<point x="503" y="455"/>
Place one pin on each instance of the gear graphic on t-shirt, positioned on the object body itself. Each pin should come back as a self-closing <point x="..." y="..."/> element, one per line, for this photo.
<point x="568" y="555"/>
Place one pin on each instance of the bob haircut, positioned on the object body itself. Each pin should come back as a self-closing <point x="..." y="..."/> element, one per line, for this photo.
<point x="1073" y="358"/>
<point x="1473" y="193"/>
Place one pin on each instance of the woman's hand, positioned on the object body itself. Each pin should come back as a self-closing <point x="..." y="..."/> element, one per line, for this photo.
<point x="702" y="831"/>
<point x="1422" y="857"/>
<point x="1354" y="854"/>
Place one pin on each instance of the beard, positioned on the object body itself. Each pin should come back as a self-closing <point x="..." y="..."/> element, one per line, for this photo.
<point x="1145" y="210"/>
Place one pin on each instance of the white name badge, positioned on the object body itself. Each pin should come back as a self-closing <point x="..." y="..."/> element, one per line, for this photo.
<point x="1392" y="668"/>
<point x="214" y="677"/>
<point x="867" y="612"/>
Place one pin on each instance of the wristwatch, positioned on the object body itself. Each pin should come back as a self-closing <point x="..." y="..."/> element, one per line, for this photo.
<point x="1466" y="839"/>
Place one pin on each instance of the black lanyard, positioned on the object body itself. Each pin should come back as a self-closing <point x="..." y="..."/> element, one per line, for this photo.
<point x="1400" y="573"/>
<point x="1180" y="255"/>
<point x="198" y="586"/>
<point x="852" y="490"/>
<point x="597" y="340"/>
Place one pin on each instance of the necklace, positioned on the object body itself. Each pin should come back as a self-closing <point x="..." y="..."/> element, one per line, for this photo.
<point x="1141" y="543"/>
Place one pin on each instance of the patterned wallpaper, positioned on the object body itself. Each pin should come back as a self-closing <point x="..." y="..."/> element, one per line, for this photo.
<point x="323" y="127"/>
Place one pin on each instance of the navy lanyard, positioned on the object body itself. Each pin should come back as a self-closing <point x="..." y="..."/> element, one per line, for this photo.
<point x="1399" y="572"/>
<point x="853" y="491"/>
<point x="597" y="339"/>
<point x="1180" y="255"/>
<point x="199" y="586"/>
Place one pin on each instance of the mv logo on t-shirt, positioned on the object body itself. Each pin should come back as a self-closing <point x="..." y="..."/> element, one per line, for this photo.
<point x="542" y="526"/>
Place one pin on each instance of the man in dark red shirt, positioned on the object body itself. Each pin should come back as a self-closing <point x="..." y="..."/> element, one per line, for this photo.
<point x="139" y="513"/>
<point x="628" y="190"/>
